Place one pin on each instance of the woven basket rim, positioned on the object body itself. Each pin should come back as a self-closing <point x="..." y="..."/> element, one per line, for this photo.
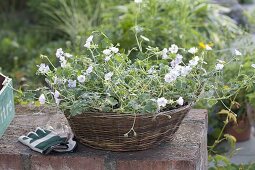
<point x="139" y="115"/>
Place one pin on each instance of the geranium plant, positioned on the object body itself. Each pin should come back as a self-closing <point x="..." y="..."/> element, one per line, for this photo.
<point x="104" y="79"/>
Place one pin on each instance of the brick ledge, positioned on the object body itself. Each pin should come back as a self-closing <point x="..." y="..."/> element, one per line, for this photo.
<point x="187" y="151"/>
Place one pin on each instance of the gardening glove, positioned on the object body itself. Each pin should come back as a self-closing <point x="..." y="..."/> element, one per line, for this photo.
<point x="45" y="141"/>
<point x="63" y="131"/>
<point x="68" y="146"/>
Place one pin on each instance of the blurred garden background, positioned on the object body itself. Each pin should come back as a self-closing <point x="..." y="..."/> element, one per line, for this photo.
<point x="30" y="28"/>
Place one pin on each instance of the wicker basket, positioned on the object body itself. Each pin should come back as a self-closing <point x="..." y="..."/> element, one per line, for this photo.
<point x="106" y="130"/>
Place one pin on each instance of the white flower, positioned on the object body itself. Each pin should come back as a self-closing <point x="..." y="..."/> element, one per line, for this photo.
<point x="175" y="72"/>
<point x="63" y="63"/>
<point x="81" y="78"/>
<point x="173" y="63"/>
<point x="161" y="102"/>
<point x="170" y="77"/>
<point x="177" y="60"/>
<point x="88" y="41"/>
<point x="138" y="1"/>
<point x="180" y="101"/>
<point x="219" y="66"/>
<point x="114" y="49"/>
<point x="107" y="58"/>
<point x="237" y="52"/>
<point x="185" y="70"/>
<point x="59" y="53"/>
<point x="42" y="99"/>
<point x="194" y="61"/>
<point x="107" y="52"/>
<point x="196" y="58"/>
<point x="89" y="70"/>
<point x="193" y="50"/>
<point x="62" y="58"/>
<point x="164" y="54"/>
<point x="43" y="68"/>
<point x="72" y="83"/>
<point x="253" y="65"/>
<point x="108" y="76"/>
<point x="207" y="47"/>
<point x="68" y="55"/>
<point x="56" y="97"/>
<point x="87" y="45"/>
<point x="177" y="69"/>
<point x="173" y="49"/>
<point x="56" y="94"/>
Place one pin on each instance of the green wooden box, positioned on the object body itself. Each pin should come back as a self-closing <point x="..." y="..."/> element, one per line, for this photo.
<point x="7" y="110"/>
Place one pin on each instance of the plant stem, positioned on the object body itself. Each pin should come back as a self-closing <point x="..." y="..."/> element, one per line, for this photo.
<point x="225" y="123"/>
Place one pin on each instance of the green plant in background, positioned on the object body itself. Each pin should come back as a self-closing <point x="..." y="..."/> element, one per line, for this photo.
<point x="183" y="22"/>
<point x="71" y="18"/>
<point x="250" y="16"/>
<point x="67" y="16"/>
<point x="21" y="42"/>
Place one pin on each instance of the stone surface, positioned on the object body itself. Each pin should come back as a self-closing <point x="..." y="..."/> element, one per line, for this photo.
<point x="187" y="151"/>
<point x="10" y="161"/>
<point x="66" y="162"/>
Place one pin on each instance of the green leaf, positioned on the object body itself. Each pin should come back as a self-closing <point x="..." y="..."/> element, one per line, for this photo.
<point x="111" y="101"/>
<point x="231" y="139"/>
<point x="222" y="158"/>
<point x="134" y="105"/>
<point x="150" y="107"/>
<point x="230" y="114"/>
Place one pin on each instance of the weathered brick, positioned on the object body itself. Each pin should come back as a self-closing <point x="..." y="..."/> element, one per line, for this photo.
<point x="184" y="164"/>
<point x="156" y="165"/>
<point x="142" y="165"/>
<point x="197" y="115"/>
<point x="66" y="163"/>
<point x="10" y="162"/>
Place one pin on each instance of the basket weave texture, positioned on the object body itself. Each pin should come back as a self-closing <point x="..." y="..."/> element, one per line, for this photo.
<point x="106" y="130"/>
